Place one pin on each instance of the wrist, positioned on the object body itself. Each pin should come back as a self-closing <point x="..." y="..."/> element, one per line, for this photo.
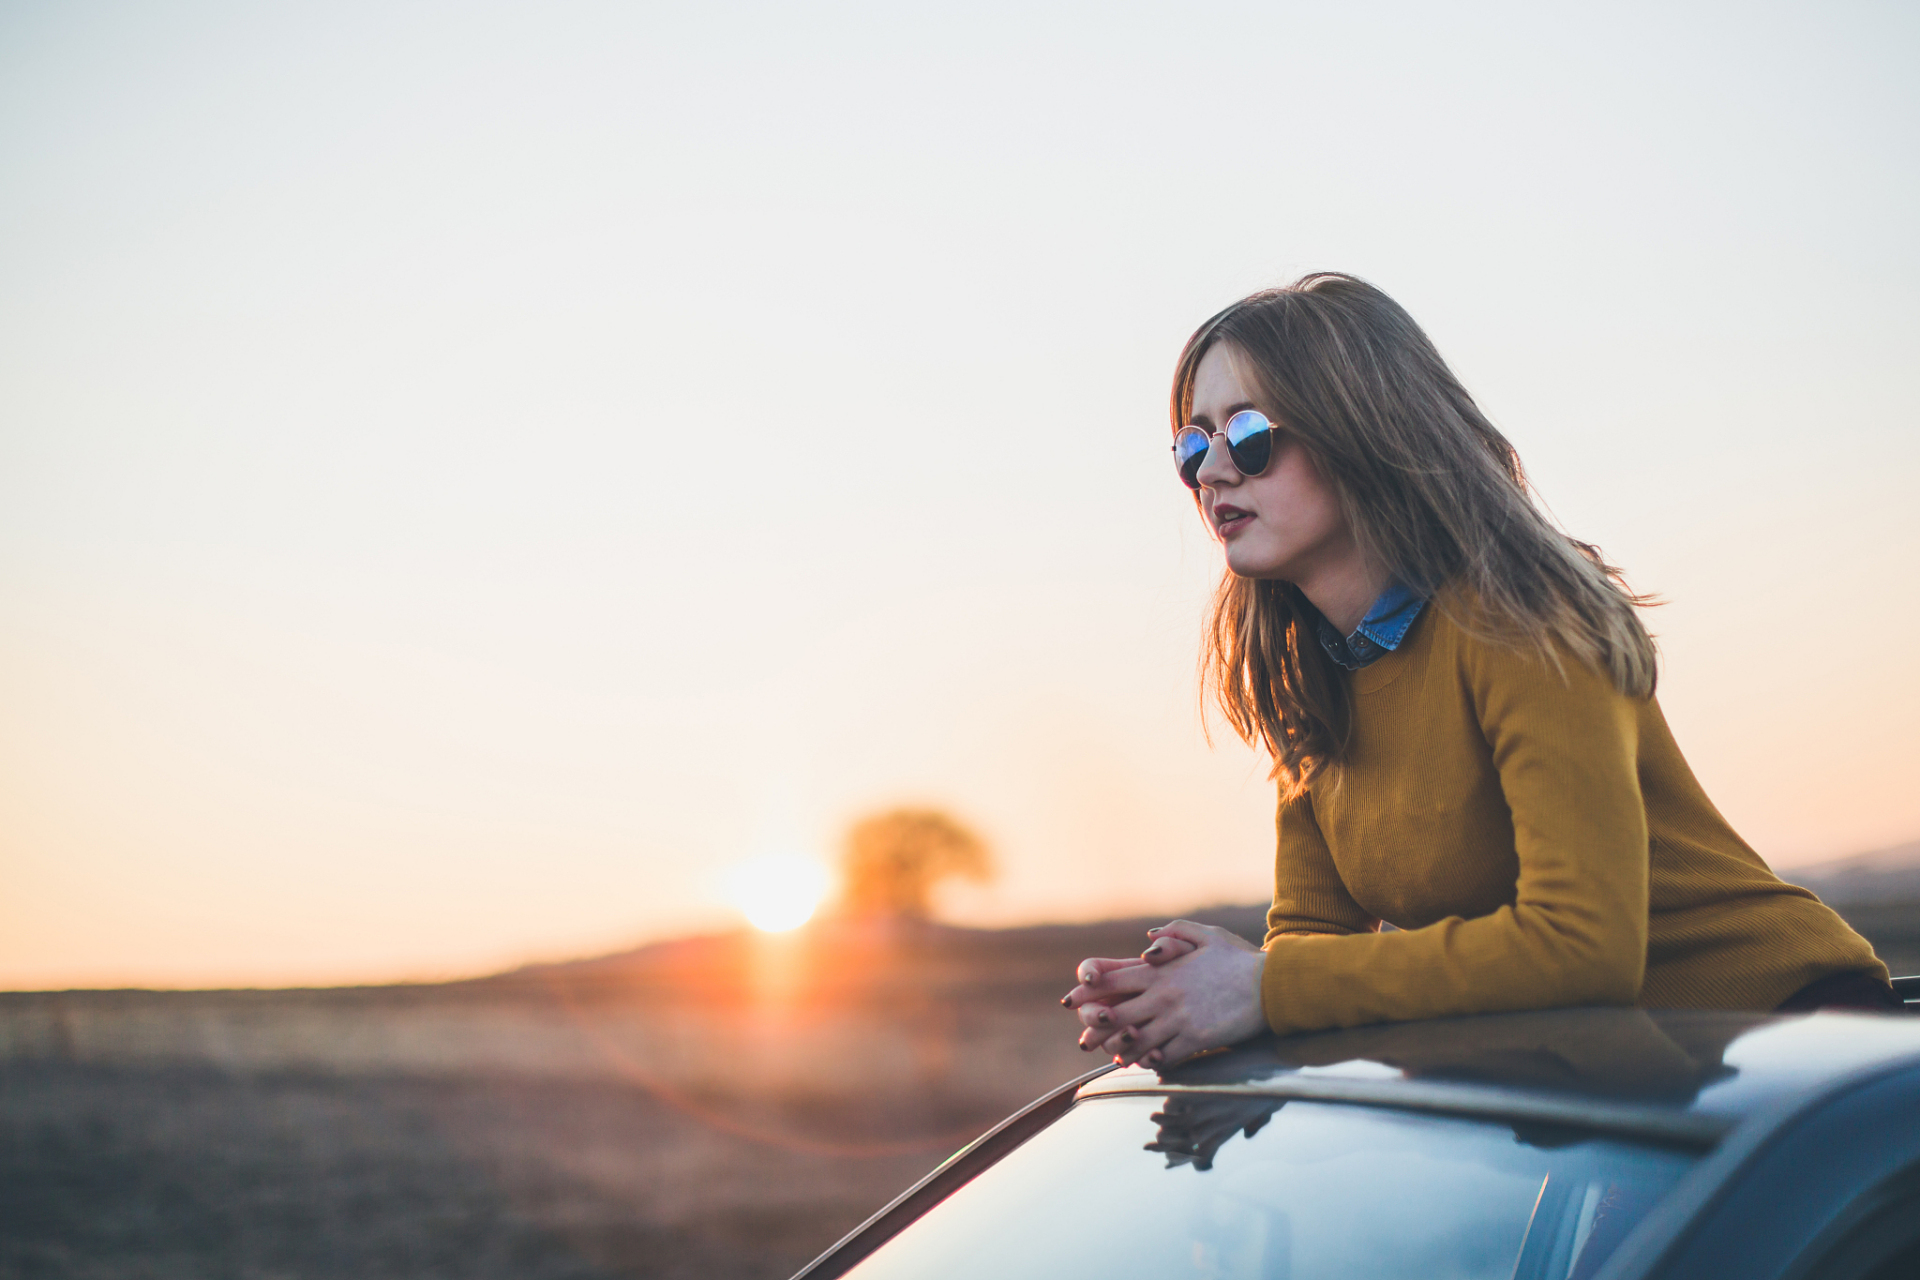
<point x="1254" y="1021"/>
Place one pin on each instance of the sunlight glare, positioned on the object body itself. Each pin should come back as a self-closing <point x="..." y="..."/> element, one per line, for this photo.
<point x="776" y="891"/>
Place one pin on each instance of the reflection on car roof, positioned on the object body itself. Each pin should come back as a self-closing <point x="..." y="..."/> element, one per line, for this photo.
<point x="1683" y="1076"/>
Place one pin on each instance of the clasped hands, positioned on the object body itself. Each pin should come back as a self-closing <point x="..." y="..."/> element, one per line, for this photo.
<point x="1196" y="987"/>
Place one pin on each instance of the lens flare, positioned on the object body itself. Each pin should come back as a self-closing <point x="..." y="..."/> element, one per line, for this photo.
<point x="776" y="891"/>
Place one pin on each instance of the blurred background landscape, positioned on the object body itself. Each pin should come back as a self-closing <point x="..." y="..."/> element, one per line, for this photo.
<point x="725" y="1104"/>
<point x="722" y="1105"/>
<point x="484" y="485"/>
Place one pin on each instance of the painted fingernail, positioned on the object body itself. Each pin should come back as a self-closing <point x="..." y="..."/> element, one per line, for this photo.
<point x="1127" y="1035"/>
<point x="1103" y="1018"/>
<point x="1066" y="1001"/>
<point x="1153" y="950"/>
<point x="1086" y="1048"/>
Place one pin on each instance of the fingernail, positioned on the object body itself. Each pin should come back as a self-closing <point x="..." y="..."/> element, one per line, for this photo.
<point x="1127" y="1035"/>
<point x="1103" y="1018"/>
<point x="1086" y="1048"/>
<point x="1153" y="950"/>
<point x="1066" y="1001"/>
<point x="1152" y="1059"/>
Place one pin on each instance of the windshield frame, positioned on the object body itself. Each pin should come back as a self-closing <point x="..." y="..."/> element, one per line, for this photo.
<point x="1658" y="1126"/>
<point x="958" y="1169"/>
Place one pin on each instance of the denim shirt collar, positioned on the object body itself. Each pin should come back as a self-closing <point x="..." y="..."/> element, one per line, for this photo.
<point x="1381" y="631"/>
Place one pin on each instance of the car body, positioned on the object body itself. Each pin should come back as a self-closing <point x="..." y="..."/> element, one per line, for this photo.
<point x="1574" y="1144"/>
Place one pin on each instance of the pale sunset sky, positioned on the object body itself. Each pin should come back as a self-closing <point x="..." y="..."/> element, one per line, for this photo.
<point x="472" y="476"/>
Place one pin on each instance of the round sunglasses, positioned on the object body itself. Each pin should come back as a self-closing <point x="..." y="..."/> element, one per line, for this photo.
<point x="1249" y="438"/>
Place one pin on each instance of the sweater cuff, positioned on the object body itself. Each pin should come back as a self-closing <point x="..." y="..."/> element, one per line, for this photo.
<point x="1284" y="980"/>
<point x="1300" y="979"/>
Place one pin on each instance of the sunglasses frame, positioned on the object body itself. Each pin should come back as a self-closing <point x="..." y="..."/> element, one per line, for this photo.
<point x="1233" y="450"/>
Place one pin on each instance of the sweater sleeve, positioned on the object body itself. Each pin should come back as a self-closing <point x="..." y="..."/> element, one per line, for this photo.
<point x="1308" y="894"/>
<point x="1564" y="743"/>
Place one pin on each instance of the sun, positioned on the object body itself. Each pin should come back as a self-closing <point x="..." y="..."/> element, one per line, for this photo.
<point x="776" y="891"/>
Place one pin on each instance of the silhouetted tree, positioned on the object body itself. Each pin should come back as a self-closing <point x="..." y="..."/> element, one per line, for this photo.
<point x="891" y="861"/>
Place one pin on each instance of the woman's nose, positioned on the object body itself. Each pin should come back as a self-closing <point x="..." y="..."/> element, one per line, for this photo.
<point x="1217" y="467"/>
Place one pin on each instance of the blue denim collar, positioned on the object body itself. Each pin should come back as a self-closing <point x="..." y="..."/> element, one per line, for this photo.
<point x="1380" y="632"/>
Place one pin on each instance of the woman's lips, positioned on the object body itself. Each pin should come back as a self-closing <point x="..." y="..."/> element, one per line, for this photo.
<point x="1229" y="520"/>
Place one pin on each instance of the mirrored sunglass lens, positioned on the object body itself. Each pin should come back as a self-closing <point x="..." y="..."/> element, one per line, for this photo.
<point x="1247" y="422"/>
<point x="1189" y="451"/>
<point x="1250" y="441"/>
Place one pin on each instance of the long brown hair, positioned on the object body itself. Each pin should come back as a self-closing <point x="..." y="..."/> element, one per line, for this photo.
<point x="1432" y="491"/>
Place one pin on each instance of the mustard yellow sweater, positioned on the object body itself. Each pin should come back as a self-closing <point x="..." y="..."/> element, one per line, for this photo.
<point x="1539" y="840"/>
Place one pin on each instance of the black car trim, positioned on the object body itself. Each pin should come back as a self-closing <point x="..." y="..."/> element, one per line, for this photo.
<point x="1865" y="1235"/>
<point x="953" y="1173"/>
<point x="1647" y="1124"/>
<point x="1664" y="1231"/>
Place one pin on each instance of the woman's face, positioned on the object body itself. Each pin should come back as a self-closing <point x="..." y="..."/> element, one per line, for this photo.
<point x="1285" y="522"/>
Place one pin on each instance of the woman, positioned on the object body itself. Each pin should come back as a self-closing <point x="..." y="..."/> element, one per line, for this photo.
<point x="1459" y="704"/>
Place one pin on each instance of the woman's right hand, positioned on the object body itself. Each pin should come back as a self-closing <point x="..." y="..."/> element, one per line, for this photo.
<point x="1103" y="984"/>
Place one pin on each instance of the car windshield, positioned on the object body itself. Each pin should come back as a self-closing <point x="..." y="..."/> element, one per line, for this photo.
<point x="1242" y="1187"/>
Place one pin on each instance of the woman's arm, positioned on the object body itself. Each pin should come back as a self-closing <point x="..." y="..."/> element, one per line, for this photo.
<point x="1308" y="894"/>
<point x="1565" y="745"/>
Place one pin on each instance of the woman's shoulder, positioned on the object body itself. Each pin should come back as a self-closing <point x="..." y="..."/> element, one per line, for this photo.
<point x="1487" y="648"/>
<point x="1455" y="628"/>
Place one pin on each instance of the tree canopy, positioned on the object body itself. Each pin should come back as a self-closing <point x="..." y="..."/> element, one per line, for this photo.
<point x="890" y="862"/>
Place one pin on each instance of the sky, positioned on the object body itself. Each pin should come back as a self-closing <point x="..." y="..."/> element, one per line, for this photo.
<point x="472" y="476"/>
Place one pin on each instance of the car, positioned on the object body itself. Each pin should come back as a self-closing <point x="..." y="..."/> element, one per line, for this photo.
<point x="1569" y="1144"/>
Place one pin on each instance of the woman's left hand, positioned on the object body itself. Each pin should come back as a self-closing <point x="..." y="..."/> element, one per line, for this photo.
<point x="1156" y="1013"/>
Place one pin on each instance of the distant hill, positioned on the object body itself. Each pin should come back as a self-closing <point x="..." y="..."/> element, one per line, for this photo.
<point x="1866" y="879"/>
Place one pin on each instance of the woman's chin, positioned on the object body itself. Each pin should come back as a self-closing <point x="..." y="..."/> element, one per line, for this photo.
<point x="1247" y="562"/>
